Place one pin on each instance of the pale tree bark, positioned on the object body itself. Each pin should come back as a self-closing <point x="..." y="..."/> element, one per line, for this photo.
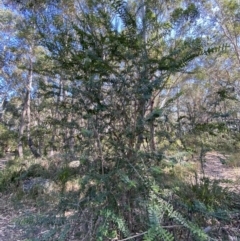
<point x="72" y="130"/>
<point x="60" y="98"/>
<point x="22" y="127"/>
<point x="29" y="87"/>
<point x="25" y="121"/>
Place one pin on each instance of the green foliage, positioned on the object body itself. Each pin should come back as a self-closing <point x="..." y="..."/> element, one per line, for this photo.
<point x="16" y="172"/>
<point x="10" y="176"/>
<point x="232" y="160"/>
<point x="64" y="175"/>
<point x="57" y="232"/>
<point x="231" y="6"/>
<point x="208" y="198"/>
<point x="120" y="7"/>
<point x="221" y="48"/>
<point x="158" y="233"/>
<point x="8" y="138"/>
<point x="35" y="170"/>
<point x="210" y="193"/>
<point x="211" y="128"/>
<point x="189" y="14"/>
<point x="158" y="208"/>
<point x="154" y="114"/>
<point x="111" y="220"/>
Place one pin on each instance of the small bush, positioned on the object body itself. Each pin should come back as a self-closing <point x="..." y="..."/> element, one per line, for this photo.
<point x="10" y="177"/>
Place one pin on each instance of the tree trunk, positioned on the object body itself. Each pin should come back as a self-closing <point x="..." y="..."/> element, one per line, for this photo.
<point x="22" y="127"/>
<point x="26" y="112"/>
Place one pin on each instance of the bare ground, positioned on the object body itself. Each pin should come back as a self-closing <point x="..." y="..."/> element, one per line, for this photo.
<point x="214" y="168"/>
<point x="8" y="230"/>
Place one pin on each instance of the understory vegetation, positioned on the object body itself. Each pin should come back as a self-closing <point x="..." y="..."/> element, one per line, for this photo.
<point x="109" y="110"/>
<point x="169" y="202"/>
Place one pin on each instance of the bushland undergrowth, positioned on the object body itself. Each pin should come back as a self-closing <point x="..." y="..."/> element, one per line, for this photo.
<point x="169" y="203"/>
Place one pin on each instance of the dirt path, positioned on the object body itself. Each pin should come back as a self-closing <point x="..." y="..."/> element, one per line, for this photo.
<point x="214" y="168"/>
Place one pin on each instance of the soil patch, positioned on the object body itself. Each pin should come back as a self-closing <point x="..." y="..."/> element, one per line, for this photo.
<point x="9" y="231"/>
<point x="214" y="167"/>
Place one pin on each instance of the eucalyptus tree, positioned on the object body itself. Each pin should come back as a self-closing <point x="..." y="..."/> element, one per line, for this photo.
<point x="214" y="100"/>
<point x="226" y="17"/>
<point x="19" y="55"/>
<point x="12" y="77"/>
<point x="8" y="42"/>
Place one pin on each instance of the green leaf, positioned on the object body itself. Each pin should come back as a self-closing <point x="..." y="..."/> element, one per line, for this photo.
<point x="154" y="114"/>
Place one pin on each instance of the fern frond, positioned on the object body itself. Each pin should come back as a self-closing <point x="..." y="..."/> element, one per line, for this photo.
<point x="158" y="207"/>
<point x="158" y="232"/>
<point x="180" y="219"/>
<point x="155" y="214"/>
<point x="111" y="217"/>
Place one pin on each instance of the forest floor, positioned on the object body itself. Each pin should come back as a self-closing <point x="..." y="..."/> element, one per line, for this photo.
<point x="8" y="214"/>
<point x="213" y="167"/>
